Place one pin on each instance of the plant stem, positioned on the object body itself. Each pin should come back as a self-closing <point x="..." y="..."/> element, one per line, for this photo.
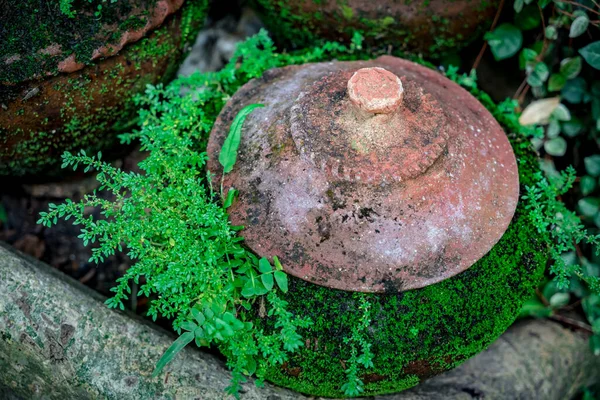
<point x="482" y="51"/>
<point x="572" y="322"/>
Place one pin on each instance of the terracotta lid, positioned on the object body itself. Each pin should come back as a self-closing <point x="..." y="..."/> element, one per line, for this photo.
<point x="42" y="40"/>
<point x="376" y="176"/>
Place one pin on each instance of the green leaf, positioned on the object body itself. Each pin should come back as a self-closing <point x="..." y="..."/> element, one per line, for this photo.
<point x="282" y="280"/>
<point x="535" y="308"/>
<point x="592" y="165"/>
<point x="518" y="5"/>
<point x="278" y="265"/>
<point x="526" y="56"/>
<point x="579" y="26"/>
<point x="228" y="154"/>
<point x="562" y="113"/>
<point x="198" y="316"/>
<point x="591" y="54"/>
<point x="556" y="82"/>
<point x="573" y="127"/>
<point x="570" y="67"/>
<point x="543" y="3"/>
<point x="505" y="41"/>
<point x="556" y="147"/>
<point x="264" y="266"/>
<point x="559" y="300"/>
<point x="188" y="326"/>
<point x="538" y="76"/>
<point x="267" y="280"/>
<point x="230" y="197"/>
<point x="172" y="351"/>
<point x="529" y="18"/>
<point x="587" y="184"/>
<point x="574" y="90"/>
<point x="551" y="33"/>
<point x="250" y="366"/>
<point x="589" y="206"/>
<point x="553" y="129"/>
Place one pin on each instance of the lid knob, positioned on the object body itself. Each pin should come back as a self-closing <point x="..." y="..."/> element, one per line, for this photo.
<point x="375" y="90"/>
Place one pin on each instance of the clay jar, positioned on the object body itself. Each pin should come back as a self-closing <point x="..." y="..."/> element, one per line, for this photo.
<point x="429" y="27"/>
<point x="68" y="82"/>
<point x="392" y="195"/>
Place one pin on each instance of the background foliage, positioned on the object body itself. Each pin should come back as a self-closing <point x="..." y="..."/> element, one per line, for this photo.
<point x="555" y="45"/>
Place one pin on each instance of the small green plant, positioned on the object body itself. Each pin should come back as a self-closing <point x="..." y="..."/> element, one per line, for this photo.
<point x="195" y="268"/>
<point x="354" y="385"/>
<point x="188" y="259"/>
<point x="66" y="7"/>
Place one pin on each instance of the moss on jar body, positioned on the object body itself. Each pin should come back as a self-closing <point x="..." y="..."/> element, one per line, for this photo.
<point x="418" y="333"/>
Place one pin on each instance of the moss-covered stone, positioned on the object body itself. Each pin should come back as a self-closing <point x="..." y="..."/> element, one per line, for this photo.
<point x="418" y="333"/>
<point x="430" y="27"/>
<point x="37" y="34"/>
<point x="85" y="109"/>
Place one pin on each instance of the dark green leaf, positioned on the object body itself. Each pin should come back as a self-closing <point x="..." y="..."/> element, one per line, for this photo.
<point x="591" y="54"/>
<point x="538" y="76"/>
<point x="579" y="26"/>
<point x="505" y="41"/>
<point x="529" y="18"/>
<point x="556" y="82"/>
<point x="526" y="56"/>
<point x="592" y="165"/>
<point x="570" y="67"/>
<point x="561" y="113"/>
<point x="282" y="280"/>
<point x="518" y="5"/>
<point x="556" y="146"/>
<point x="572" y="128"/>
<point x="175" y="348"/>
<point x="551" y="33"/>
<point x="228" y="154"/>
<point x="574" y="90"/>
<point x="589" y="206"/>
<point x="587" y="185"/>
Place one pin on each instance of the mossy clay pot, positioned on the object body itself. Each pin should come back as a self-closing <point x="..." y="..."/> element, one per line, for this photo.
<point x="383" y="181"/>
<point x="68" y="82"/>
<point x="430" y="27"/>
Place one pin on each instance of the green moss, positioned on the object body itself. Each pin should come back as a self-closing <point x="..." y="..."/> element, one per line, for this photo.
<point x="85" y="121"/>
<point x="292" y="26"/>
<point x="418" y="333"/>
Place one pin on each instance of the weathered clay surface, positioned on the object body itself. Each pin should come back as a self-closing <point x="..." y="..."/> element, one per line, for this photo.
<point x="58" y="341"/>
<point x="368" y="202"/>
